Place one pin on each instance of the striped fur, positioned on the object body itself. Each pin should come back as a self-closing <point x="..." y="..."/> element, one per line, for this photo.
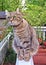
<point x="25" y="42"/>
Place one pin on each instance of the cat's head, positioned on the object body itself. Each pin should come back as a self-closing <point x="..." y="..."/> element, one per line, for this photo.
<point x="15" y="17"/>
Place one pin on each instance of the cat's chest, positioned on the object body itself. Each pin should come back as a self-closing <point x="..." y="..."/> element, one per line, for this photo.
<point x="20" y="39"/>
<point x="22" y="33"/>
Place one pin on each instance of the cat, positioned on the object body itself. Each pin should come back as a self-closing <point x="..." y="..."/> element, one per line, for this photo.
<point x="25" y="42"/>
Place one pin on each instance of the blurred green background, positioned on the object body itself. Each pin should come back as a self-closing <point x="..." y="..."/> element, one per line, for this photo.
<point x="35" y="12"/>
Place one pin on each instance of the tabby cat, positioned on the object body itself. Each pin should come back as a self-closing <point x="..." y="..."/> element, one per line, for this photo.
<point x="25" y="42"/>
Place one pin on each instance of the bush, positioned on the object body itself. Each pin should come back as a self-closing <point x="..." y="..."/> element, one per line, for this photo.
<point x="35" y="14"/>
<point x="10" y="56"/>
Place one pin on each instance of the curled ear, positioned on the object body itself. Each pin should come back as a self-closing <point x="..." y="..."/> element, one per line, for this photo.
<point x="7" y="14"/>
<point x="18" y="11"/>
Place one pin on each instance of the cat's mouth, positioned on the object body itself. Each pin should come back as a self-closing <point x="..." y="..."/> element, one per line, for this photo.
<point x="16" y="24"/>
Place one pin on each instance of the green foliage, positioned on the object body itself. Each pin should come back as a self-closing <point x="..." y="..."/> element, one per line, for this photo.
<point x="9" y="29"/>
<point x="36" y="2"/>
<point x="35" y="13"/>
<point x="10" y="5"/>
<point x="10" y="56"/>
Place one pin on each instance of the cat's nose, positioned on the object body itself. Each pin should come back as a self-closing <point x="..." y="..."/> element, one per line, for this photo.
<point x="11" y="19"/>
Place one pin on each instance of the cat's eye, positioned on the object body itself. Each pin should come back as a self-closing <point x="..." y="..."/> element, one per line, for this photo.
<point x="8" y="17"/>
<point x="14" y="16"/>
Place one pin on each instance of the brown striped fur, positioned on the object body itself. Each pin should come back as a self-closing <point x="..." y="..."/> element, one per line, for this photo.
<point x="25" y="42"/>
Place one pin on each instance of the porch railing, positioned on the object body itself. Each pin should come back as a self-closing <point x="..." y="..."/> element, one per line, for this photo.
<point x="41" y="32"/>
<point x="4" y="44"/>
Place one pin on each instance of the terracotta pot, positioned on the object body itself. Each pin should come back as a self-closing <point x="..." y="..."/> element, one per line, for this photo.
<point x="44" y="43"/>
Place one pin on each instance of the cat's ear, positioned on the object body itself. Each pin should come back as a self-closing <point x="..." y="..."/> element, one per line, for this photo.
<point x="18" y="10"/>
<point x="7" y="13"/>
